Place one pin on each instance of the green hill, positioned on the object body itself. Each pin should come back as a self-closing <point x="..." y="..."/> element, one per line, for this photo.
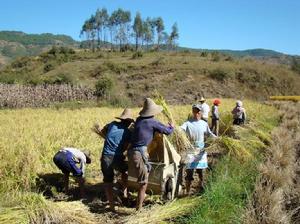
<point x="15" y="44"/>
<point x="182" y="76"/>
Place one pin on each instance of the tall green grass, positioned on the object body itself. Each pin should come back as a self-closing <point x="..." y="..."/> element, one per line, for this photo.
<point x="232" y="181"/>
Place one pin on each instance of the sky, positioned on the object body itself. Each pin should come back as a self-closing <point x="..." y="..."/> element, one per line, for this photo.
<point x="206" y="24"/>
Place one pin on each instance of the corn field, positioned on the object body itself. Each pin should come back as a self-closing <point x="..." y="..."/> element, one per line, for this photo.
<point x="19" y="96"/>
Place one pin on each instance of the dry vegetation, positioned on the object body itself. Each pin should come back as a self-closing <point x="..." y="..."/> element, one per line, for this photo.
<point x="277" y="193"/>
<point x="18" y="96"/>
<point x="174" y="74"/>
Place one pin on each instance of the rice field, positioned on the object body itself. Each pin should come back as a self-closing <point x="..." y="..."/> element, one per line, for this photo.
<point x="286" y="98"/>
<point x="30" y="137"/>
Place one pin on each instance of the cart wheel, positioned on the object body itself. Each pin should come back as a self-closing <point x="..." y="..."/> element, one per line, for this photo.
<point x="169" y="189"/>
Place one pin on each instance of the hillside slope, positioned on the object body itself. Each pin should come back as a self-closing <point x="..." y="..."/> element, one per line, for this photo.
<point x="182" y="77"/>
<point x="14" y="44"/>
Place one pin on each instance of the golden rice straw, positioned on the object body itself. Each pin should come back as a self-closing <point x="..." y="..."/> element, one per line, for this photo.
<point x="181" y="141"/>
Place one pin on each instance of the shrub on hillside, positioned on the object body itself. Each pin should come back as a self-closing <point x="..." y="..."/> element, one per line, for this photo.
<point x="215" y="56"/>
<point x="60" y="78"/>
<point x="137" y="54"/>
<point x="21" y="62"/>
<point x="219" y="74"/>
<point x="104" y="86"/>
<point x="204" y="54"/>
<point x="48" y="67"/>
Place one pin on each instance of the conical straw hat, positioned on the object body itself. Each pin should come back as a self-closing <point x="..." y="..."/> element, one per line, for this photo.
<point x="202" y="99"/>
<point x="126" y="114"/>
<point x="150" y="108"/>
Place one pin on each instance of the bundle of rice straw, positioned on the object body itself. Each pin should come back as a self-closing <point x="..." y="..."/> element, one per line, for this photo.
<point x="182" y="143"/>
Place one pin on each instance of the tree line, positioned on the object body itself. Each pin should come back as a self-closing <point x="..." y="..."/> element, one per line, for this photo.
<point x="116" y="30"/>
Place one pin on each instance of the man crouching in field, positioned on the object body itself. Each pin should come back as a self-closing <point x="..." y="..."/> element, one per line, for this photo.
<point x="117" y="137"/>
<point x="66" y="160"/>
<point x="196" y="128"/>
<point x="144" y="130"/>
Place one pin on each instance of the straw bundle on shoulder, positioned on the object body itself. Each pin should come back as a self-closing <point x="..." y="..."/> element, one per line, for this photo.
<point x="181" y="141"/>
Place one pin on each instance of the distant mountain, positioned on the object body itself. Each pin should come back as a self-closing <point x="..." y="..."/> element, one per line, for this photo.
<point x="14" y="44"/>
<point x="259" y="52"/>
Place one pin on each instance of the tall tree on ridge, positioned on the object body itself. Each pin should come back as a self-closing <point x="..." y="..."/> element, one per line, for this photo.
<point x="174" y="36"/>
<point x="138" y="29"/>
<point x="159" y="29"/>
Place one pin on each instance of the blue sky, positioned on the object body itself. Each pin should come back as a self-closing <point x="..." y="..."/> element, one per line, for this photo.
<point x="210" y="24"/>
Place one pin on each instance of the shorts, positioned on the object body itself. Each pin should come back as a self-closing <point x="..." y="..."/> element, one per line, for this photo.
<point x="61" y="161"/>
<point x="190" y="174"/>
<point x="109" y="163"/>
<point x="135" y="159"/>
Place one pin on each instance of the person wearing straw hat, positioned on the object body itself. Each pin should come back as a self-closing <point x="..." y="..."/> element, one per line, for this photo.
<point x="143" y="133"/>
<point x="117" y="137"/>
<point x="205" y="108"/>
<point x="196" y="128"/>
<point x="66" y="159"/>
<point x="215" y="117"/>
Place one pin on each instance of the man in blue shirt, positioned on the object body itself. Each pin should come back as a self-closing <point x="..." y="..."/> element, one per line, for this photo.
<point x="117" y="137"/>
<point x="144" y="130"/>
<point x="195" y="129"/>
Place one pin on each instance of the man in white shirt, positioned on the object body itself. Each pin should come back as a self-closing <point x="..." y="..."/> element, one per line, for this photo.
<point x="205" y="108"/>
<point x="66" y="160"/>
<point x="195" y="129"/>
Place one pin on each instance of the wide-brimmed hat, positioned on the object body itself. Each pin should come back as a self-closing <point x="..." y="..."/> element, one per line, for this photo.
<point x="87" y="154"/>
<point x="202" y="99"/>
<point x="150" y="108"/>
<point x="126" y="115"/>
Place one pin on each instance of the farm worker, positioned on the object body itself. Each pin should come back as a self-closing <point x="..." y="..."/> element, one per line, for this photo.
<point x="144" y="130"/>
<point x="206" y="109"/>
<point x="215" y="117"/>
<point x="66" y="160"/>
<point x="196" y="128"/>
<point x="239" y="113"/>
<point x="117" y="137"/>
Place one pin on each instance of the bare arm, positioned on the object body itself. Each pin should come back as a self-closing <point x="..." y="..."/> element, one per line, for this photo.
<point x="101" y="132"/>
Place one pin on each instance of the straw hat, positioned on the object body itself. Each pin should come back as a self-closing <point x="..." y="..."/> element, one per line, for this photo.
<point x="202" y="99"/>
<point x="126" y="114"/>
<point x="150" y="108"/>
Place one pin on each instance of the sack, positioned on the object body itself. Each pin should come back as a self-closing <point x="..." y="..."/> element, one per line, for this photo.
<point x="197" y="161"/>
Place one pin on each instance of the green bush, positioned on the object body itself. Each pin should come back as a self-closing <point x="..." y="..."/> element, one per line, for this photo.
<point x="21" y="62"/>
<point x="204" y="54"/>
<point x="104" y="86"/>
